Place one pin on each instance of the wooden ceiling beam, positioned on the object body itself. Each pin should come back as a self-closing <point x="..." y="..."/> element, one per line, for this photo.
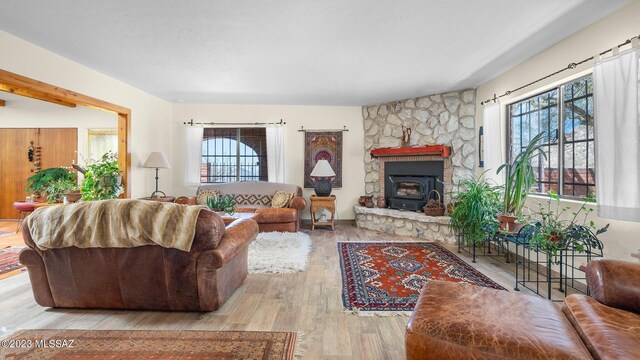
<point x="34" y="95"/>
<point x="24" y="83"/>
<point x="2" y="103"/>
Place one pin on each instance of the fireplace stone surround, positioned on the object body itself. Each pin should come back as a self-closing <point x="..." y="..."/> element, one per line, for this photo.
<point x="409" y="223"/>
<point x="447" y="119"/>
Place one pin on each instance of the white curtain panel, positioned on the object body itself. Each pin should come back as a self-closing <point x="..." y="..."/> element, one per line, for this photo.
<point x="275" y="153"/>
<point x="617" y="135"/>
<point x="492" y="143"/>
<point x="193" y="155"/>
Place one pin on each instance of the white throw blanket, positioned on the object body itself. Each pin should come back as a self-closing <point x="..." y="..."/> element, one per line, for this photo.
<point x="114" y="223"/>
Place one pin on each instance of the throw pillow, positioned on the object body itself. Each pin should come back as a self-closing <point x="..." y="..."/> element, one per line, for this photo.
<point x="281" y="199"/>
<point x="201" y="198"/>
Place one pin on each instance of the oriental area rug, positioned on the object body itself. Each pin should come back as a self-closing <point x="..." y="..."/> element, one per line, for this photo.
<point x="9" y="264"/>
<point x="147" y="344"/>
<point x="385" y="278"/>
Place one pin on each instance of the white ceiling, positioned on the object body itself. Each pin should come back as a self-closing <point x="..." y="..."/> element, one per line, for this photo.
<point x="307" y="52"/>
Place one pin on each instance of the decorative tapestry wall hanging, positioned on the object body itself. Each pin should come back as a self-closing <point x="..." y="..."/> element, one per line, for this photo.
<point x="319" y="145"/>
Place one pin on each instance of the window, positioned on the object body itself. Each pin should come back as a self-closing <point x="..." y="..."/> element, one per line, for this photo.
<point x="233" y="155"/>
<point x="101" y="141"/>
<point x="565" y="114"/>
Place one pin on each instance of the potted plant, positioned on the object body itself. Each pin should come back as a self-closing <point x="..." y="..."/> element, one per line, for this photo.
<point x="40" y="181"/>
<point x="222" y="204"/>
<point x="557" y="229"/>
<point x="57" y="189"/>
<point x="518" y="181"/>
<point x="474" y="214"/>
<point x="102" y="179"/>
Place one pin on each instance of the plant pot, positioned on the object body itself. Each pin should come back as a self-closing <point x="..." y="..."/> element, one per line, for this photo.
<point x="361" y="200"/>
<point x="508" y="223"/>
<point x="554" y="237"/>
<point x="368" y="201"/>
<point x="74" y="195"/>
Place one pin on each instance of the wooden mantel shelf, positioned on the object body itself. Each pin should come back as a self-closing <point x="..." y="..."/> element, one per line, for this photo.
<point x="441" y="150"/>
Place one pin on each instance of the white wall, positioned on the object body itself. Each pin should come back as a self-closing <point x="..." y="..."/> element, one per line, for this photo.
<point x="311" y="117"/>
<point x="622" y="239"/>
<point x="150" y="116"/>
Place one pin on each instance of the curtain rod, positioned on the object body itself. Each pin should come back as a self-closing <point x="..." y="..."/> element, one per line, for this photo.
<point x="572" y="65"/>
<point x="191" y="123"/>
<point x="302" y="129"/>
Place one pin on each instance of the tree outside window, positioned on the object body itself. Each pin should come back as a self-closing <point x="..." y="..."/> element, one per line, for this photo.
<point x="565" y="115"/>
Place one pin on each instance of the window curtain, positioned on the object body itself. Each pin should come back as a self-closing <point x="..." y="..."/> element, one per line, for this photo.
<point x="275" y="153"/>
<point x="193" y="155"/>
<point x="492" y="143"/>
<point x="617" y="135"/>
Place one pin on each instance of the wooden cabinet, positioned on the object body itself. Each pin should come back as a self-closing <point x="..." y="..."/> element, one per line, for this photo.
<point x="58" y="147"/>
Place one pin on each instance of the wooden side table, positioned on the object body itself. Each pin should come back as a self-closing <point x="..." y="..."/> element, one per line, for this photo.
<point x="323" y="202"/>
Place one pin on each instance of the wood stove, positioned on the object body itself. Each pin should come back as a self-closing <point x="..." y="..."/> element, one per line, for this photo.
<point x="408" y="183"/>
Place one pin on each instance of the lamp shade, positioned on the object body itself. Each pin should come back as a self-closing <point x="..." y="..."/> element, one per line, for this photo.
<point x="157" y="160"/>
<point x="322" y="169"/>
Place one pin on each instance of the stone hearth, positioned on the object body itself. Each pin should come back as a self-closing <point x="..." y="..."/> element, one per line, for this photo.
<point x="405" y="223"/>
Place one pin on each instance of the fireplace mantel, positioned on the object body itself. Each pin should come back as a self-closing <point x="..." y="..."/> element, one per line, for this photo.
<point x="441" y="150"/>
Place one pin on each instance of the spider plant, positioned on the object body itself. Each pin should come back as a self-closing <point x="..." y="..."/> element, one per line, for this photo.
<point x="476" y="208"/>
<point x="520" y="177"/>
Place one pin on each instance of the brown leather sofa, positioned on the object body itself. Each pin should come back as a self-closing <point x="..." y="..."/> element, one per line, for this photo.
<point x="253" y="196"/>
<point x="146" y="277"/>
<point x="457" y="321"/>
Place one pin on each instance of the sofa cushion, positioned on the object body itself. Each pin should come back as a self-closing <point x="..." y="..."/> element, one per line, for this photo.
<point x="608" y="333"/>
<point x="252" y="199"/>
<point x="462" y="321"/>
<point x="204" y="194"/>
<point x="279" y="215"/>
<point x="281" y="199"/>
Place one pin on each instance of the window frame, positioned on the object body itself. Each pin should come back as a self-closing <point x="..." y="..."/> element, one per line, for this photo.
<point x="558" y="86"/>
<point x="238" y="156"/>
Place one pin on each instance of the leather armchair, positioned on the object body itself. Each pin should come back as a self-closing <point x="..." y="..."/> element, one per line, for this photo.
<point x="608" y="321"/>
<point x="145" y="277"/>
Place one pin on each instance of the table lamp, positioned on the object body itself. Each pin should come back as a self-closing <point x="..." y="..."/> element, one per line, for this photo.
<point x="158" y="161"/>
<point x="322" y="171"/>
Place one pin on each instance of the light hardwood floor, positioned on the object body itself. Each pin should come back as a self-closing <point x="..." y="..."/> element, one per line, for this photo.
<point x="308" y="302"/>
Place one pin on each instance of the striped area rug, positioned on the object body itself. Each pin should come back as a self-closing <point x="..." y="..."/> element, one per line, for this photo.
<point x="9" y="264"/>
<point x="148" y="344"/>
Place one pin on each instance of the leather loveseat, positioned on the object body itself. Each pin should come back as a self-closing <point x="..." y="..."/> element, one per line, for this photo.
<point x="256" y="196"/>
<point x="457" y="321"/>
<point x="149" y="277"/>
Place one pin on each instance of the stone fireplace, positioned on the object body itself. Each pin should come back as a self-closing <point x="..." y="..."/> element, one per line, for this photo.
<point x="446" y="119"/>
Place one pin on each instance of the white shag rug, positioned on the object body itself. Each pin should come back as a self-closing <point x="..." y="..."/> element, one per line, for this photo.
<point x="279" y="252"/>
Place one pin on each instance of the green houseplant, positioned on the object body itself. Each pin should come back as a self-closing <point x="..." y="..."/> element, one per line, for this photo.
<point x="42" y="180"/>
<point x="474" y="214"/>
<point x="519" y="179"/>
<point x="222" y="204"/>
<point x="102" y="179"/>
<point x="556" y="228"/>
<point x="57" y="189"/>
